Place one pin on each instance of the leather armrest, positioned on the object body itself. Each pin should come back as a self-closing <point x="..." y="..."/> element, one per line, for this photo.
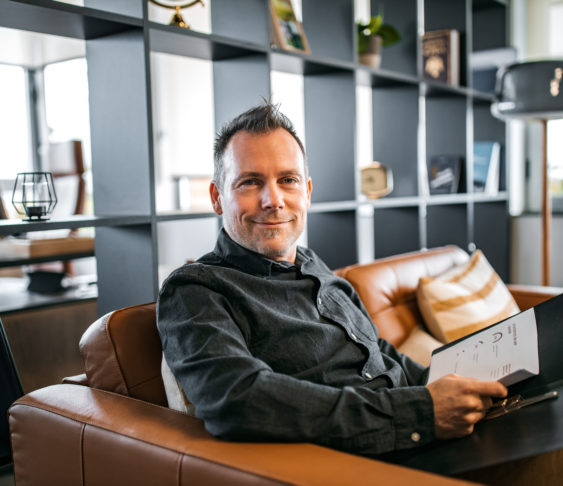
<point x="527" y="296"/>
<point x="68" y="435"/>
<point x="80" y="379"/>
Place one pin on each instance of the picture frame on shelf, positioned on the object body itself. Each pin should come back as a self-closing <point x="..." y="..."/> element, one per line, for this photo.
<point x="444" y="173"/>
<point x="287" y="31"/>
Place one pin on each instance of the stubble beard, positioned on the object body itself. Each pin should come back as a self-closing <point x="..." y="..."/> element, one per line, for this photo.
<point x="266" y="250"/>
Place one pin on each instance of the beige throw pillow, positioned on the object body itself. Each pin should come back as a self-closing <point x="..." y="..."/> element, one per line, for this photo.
<point x="464" y="299"/>
<point x="174" y="394"/>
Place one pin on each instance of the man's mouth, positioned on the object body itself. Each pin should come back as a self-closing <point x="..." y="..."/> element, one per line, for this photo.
<point x="269" y="223"/>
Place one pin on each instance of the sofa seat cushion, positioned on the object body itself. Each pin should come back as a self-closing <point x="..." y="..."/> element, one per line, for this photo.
<point x="465" y="299"/>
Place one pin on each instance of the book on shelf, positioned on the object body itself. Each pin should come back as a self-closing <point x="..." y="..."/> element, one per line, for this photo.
<point x="444" y="173"/>
<point x="13" y="248"/>
<point x="486" y="167"/>
<point x="506" y="351"/>
<point x="440" y="56"/>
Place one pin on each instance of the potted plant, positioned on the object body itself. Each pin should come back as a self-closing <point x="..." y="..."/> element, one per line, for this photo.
<point x="372" y="37"/>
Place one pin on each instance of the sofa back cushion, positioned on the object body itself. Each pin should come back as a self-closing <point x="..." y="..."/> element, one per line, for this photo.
<point x="388" y="286"/>
<point x="122" y="354"/>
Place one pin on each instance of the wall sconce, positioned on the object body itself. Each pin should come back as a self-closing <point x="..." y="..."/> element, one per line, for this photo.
<point x="34" y="195"/>
<point x="376" y="180"/>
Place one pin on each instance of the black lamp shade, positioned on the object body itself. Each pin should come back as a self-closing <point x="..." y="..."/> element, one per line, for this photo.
<point x="529" y="90"/>
<point x="34" y="195"/>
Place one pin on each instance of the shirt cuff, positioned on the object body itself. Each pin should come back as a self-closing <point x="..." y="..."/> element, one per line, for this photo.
<point x="413" y="416"/>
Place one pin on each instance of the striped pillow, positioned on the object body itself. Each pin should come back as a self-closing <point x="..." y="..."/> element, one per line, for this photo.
<point x="176" y="397"/>
<point x="464" y="299"/>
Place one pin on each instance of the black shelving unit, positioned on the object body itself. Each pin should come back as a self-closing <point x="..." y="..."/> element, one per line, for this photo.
<point x="412" y="120"/>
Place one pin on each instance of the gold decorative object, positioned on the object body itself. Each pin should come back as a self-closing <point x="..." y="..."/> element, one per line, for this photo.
<point x="177" y="18"/>
<point x="376" y="180"/>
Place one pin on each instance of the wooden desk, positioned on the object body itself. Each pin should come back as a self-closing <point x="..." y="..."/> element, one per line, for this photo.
<point x="522" y="447"/>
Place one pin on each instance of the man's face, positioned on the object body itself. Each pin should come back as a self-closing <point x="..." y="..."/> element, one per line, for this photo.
<point x="265" y="194"/>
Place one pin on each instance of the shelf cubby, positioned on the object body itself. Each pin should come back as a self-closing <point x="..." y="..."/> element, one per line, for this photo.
<point x="396" y="230"/>
<point x="333" y="237"/>
<point x="329" y="101"/>
<point x="492" y="234"/>
<point x="243" y="20"/>
<point x="395" y="131"/>
<point x="238" y="84"/>
<point x="329" y="29"/>
<point x="450" y="14"/>
<point x="402" y="14"/>
<point x="490" y="24"/>
<point x="488" y="128"/>
<point x="447" y="224"/>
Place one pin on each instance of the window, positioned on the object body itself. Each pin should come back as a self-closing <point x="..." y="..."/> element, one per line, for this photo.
<point x="66" y="103"/>
<point x="555" y="127"/>
<point x="67" y="114"/>
<point x="15" y="145"/>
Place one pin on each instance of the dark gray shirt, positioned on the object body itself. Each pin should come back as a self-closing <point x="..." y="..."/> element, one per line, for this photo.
<point x="271" y="351"/>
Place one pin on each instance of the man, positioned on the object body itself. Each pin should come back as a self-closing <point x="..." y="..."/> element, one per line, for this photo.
<point x="269" y="344"/>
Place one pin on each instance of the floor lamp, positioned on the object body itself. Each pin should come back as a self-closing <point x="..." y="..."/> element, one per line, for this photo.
<point x="533" y="91"/>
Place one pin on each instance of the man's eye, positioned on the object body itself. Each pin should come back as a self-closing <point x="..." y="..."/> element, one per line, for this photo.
<point x="249" y="182"/>
<point x="290" y="180"/>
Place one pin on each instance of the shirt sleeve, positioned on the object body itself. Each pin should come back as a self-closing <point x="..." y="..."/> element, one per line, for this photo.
<point x="239" y="397"/>
<point x="415" y="373"/>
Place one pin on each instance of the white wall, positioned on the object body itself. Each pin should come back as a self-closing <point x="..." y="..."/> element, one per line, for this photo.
<point x="526" y="250"/>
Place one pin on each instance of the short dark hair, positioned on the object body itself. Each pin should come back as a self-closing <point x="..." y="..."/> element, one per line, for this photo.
<point x="260" y="119"/>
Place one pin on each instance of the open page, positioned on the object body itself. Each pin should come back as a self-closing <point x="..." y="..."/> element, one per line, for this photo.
<point x="505" y="352"/>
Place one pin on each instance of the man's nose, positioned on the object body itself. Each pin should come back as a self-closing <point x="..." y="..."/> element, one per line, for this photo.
<point x="272" y="196"/>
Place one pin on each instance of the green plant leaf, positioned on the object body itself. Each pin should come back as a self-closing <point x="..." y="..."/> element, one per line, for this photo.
<point x="389" y="34"/>
<point x="375" y="24"/>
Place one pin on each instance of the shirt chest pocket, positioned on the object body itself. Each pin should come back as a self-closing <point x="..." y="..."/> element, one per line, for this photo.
<point x="341" y="308"/>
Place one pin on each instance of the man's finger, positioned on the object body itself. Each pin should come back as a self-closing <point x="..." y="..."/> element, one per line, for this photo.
<point x="490" y="389"/>
<point x="487" y="402"/>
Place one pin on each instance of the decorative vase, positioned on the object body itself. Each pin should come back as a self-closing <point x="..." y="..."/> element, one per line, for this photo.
<point x="372" y="56"/>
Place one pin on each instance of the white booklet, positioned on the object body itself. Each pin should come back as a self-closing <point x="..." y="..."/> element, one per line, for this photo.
<point x="505" y="352"/>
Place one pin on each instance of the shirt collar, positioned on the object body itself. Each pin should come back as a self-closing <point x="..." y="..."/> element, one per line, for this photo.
<point x="252" y="262"/>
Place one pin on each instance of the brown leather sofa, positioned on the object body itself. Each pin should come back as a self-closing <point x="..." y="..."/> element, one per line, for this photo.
<point x="112" y="425"/>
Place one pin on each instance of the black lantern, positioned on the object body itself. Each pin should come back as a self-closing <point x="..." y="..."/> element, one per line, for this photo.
<point x="34" y="195"/>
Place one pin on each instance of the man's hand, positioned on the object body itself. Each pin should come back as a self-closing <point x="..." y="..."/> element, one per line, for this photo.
<point x="460" y="402"/>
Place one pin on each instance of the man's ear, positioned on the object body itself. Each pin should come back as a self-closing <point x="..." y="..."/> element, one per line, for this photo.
<point x="309" y="190"/>
<point x="215" y="198"/>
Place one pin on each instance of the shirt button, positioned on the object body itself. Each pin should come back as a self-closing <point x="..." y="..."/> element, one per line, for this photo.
<point x="367" y="376"/>
<point x="353" y="336"/>
<point x="319" y="302"/>
<point x="415" y="437"/>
